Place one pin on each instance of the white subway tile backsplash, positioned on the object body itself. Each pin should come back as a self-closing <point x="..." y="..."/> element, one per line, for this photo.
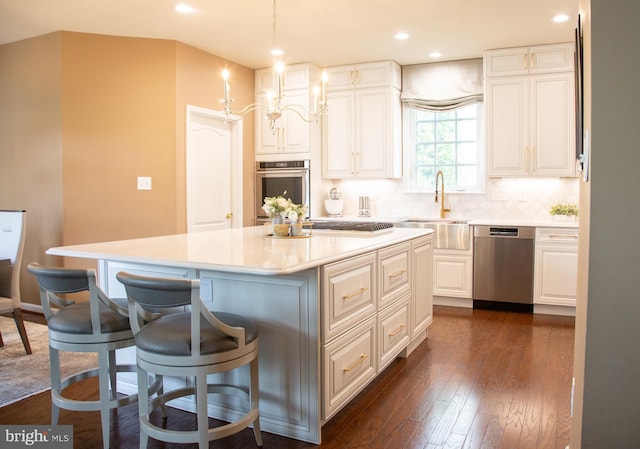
<point x="522" y="199"/>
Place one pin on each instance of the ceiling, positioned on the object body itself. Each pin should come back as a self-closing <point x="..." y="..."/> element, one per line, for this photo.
<point x="324" y="32"/>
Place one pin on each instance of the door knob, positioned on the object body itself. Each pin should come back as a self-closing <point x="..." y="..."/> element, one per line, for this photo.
<point x="229" y="215"/>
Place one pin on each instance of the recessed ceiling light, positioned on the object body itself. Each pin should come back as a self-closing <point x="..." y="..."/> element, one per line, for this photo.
<point x="435" y="54"/>
<point x="561" y="18"/>
<point x="183" y="8"/>
<point x="402" y="36"/>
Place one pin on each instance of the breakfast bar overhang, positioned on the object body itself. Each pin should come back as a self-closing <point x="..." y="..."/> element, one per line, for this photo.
<point x="333" y="309"/>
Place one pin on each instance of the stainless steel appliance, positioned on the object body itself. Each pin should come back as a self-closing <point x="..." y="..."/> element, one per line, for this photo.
<point x="275" y="178"/>
<point x="353" y="226"/>
<point x="503" y="267"/>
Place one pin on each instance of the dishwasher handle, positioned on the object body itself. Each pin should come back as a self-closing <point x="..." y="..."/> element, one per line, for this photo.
<point x="514" y="232"/>
<point x="503" y="232"/>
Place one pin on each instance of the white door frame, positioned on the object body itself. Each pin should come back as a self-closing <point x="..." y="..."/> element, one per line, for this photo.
<point x="236" y="159"/>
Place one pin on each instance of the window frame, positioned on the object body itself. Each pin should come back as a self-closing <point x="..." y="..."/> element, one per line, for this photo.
<point x="409" y="149"/>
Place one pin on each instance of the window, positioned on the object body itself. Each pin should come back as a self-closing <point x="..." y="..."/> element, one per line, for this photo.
<point x="450" y="141"/>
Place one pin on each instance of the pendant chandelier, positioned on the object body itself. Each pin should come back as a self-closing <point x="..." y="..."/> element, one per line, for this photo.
<point x="273" y="109"/>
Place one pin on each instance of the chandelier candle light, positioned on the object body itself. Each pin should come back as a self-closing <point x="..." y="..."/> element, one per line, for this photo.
<point x="274" y="108"/>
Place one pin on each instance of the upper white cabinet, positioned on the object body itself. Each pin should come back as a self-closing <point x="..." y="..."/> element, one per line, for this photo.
<point x="361" y="135"/>
<point x="293" y="134"/>
<point x="529" y="60"/>
<point x="530" y="117"/>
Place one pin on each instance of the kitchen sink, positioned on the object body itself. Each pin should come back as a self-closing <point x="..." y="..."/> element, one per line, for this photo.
<point x="448" y="233"/>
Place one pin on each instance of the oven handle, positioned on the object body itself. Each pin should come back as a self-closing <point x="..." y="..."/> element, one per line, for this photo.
<point x="279" y="172"/>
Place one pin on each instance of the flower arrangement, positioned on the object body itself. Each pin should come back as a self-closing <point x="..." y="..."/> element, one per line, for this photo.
<point x="296" y="212"/>
<point x="280" y="207"/>
<point x="276" y="206"/>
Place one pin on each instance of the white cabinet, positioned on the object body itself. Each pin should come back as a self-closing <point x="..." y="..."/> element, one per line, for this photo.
<point x="530" y="118"/>
<point x="372" y="307"/>
<point x="529" y="60"/>
<point x="393" y="331"/>
<point x="556" y="267"/>
<point x="453" y="273"/>
<point x="421" y="305"/>
<point x="349" y="294"/>
<point x="394" y="278"/>
<point x="293" y="134"/>
<point x="349" y="363"/>
<point x="369" y="74"/>
<point x="361" y="135"/>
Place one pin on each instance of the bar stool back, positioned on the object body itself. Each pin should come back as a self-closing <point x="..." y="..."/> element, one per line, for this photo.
<point x="193" y="344"/>
<point x="99" y="325"/>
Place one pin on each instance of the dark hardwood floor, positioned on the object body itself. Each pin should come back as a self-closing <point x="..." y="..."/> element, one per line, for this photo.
<point x="483" y="379"/>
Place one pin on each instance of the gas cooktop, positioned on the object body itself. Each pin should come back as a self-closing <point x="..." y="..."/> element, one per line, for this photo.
<point x="361" y="226"/>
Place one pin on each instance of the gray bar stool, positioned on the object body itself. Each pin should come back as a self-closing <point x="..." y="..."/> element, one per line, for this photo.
<point x="99" y="325"/>
<point x="165" y="347"/>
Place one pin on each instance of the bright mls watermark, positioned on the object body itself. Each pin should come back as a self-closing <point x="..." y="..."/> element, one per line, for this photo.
<point x="49" y="437"/>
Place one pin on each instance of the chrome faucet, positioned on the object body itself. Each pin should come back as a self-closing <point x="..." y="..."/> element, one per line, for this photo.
<point x="443" y="210"/>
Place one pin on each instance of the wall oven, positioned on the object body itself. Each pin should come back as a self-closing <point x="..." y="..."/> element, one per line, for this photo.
<point x="274" y="178"/>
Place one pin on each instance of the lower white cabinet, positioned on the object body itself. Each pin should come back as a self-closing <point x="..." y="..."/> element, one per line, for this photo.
<point x="393" y="331"/>
<point x="453" y="273"/>
<point x="421" y="304"/>
<point x="556" y="267"/>
<point x="372" y="306"/>
<point x="350" y="362"/>
<point x="348" y="293"/>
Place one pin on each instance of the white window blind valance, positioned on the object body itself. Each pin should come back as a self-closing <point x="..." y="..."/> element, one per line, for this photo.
<point x="440" y="86"/>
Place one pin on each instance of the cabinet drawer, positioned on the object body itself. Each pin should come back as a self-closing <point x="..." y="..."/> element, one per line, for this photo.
<point x="348" y="294"/>
<point x="393" y="331"/>
<point x="349" y="364"/>
<point x="394" y="273"/>
<point x="557" y="235"/>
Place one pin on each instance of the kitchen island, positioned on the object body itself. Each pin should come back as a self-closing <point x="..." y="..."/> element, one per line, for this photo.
<point x="333" y="309"/>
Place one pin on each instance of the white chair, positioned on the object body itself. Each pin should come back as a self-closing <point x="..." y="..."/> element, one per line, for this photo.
<point x="164" y="347"/>
<point x="13" y="231"/>
<point x="99" y="325"/>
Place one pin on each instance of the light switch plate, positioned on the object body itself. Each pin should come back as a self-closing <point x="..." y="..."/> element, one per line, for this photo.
<point x="144" y="182"/>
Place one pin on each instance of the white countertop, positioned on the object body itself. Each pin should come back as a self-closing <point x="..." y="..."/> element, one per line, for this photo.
<point x="241" y="250"/>
<point x="537" y="224"/>
<point x="551" y="223"/>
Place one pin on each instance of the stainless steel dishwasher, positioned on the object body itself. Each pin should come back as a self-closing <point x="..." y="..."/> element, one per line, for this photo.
<point x="503" y="267"/>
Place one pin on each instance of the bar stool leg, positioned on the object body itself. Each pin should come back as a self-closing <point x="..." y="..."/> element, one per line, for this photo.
<point x="143" y="405"/>
<point x="201" y="406"/>
<point x="54" y="367"/>
<point x="103" y="368"/>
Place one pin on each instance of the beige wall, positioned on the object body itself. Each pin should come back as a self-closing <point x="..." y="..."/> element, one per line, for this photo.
<point x="31" y="144"/>
<point x="83" y="116"/>
<point x="199" y="83"/>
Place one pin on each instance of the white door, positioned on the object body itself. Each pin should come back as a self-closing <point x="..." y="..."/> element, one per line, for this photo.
<point x="214" y="170"/>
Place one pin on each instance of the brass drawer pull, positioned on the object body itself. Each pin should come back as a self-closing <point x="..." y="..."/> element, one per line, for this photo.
<point x="360" y="360"/>
<point x="561" y="236"/>
<point x="395" y="332"/>
<point x="352" y="295"/>
<point x="399" y="273"/>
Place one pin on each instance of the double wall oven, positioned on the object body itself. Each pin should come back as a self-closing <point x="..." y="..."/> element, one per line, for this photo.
<point x="275" y="178"/>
